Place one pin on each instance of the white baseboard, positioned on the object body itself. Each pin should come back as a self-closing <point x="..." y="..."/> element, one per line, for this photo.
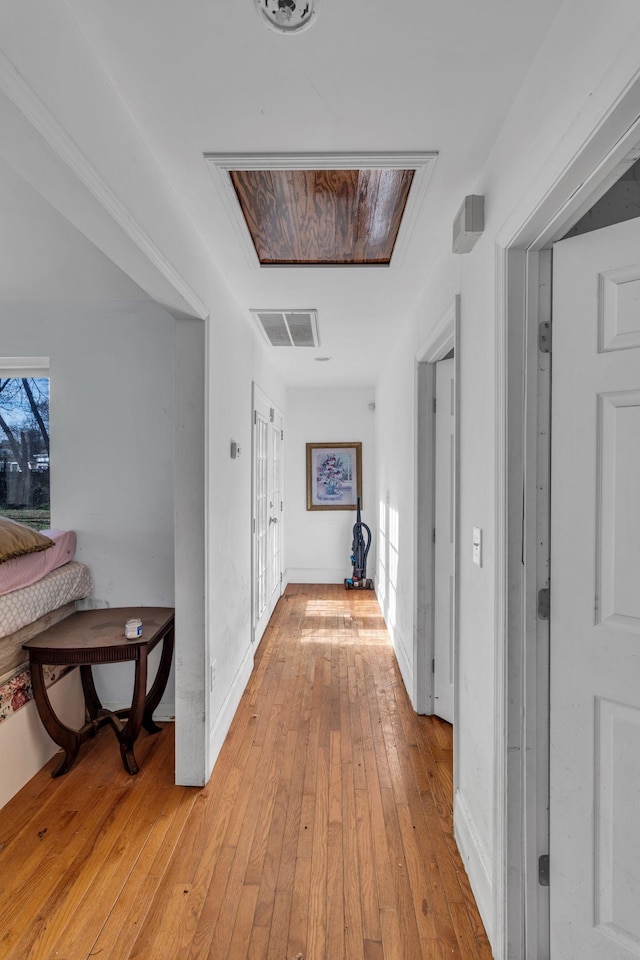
<point x="404" y="661"/>
<point x="222" y="722"/>
<point x="476" y="861"/>
<point x="318" y="574"/>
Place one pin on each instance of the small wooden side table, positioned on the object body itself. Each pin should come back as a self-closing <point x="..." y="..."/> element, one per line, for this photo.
<point x="89" y="637"/>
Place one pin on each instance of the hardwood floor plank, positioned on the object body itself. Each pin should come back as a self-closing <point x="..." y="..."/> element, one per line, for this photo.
<point x="324" y="833"/>
<point x="404" y="905"/>
<point x="269" y="781"/>
<point x="200" y="922"/>
<point x="392" y="944"/>
<point x="373" y="950"/>
<point x="470" y="941"/>
<point x="299" y="917"/>
<point x="368" y="877"/>
<point x="411" y="837"/>
<point x="335" y="853"/>
<point x="353" y="920"/>
<point x="317" y="926"/>
<point x="243" y="926"/>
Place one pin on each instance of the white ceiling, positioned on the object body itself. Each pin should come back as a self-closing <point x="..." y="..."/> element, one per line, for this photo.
<point x="207" y="76"/>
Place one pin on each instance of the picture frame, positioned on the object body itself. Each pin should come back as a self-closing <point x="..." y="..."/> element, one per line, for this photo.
<point x="334" y="476"/>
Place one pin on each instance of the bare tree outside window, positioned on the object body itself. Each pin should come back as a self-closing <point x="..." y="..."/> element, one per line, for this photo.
<point x="24" y="450"/>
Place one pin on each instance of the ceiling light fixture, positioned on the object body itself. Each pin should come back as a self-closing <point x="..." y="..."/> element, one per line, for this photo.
<point x="287" y="16"/>
<point x="321" y="359"/>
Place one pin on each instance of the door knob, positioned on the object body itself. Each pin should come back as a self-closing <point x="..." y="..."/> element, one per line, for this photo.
<point x="273" y="519"/>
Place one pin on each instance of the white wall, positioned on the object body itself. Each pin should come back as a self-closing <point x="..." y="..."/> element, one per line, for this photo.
<point x="112" y="436"/>
<point x="567" y="93"/>
<point x="318" y="543"/>
<point x="112" y="453"/>
<point x="235" y="360"/>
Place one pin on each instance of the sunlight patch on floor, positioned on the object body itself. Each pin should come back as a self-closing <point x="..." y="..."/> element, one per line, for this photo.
<point x="322" y="622"/>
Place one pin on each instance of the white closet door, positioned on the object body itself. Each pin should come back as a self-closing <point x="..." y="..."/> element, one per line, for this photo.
<point x="595" y="597"/>
<point x="268" y="510"/>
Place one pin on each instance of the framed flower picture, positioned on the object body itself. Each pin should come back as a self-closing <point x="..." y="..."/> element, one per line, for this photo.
<point x="334" y="476"/>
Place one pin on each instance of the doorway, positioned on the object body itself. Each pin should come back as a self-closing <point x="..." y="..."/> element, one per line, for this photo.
<point x="437" y="365"/>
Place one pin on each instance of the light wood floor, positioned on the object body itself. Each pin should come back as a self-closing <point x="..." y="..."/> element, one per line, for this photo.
<point x="324" y="833"/>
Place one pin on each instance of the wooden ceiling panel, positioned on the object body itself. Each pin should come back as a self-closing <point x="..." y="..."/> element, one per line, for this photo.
<point x="331" y="217"/>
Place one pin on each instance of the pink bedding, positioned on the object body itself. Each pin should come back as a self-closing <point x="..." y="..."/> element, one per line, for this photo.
<point x="23" y="571"/>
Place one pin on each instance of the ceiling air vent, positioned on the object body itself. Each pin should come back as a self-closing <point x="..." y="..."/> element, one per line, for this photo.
<point x="289" y="328"/>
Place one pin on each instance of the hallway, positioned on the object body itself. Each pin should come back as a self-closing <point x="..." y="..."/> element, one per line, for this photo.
<point x="324" y="833"/>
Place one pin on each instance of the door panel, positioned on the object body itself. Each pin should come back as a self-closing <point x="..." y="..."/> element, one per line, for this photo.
<point x="275" y="504"/>
<point x="595" y="597"/>
<point x="444" y="585"/>
<point x="261" y="535"/>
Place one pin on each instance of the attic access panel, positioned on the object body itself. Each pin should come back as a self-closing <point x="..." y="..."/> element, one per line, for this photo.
<point x="331" y="217"/>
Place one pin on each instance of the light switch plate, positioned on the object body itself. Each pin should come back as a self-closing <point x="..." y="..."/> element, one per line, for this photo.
<point x="477" y="545"/>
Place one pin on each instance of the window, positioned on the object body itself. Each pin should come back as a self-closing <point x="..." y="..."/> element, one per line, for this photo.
<point x="24" y="448"/>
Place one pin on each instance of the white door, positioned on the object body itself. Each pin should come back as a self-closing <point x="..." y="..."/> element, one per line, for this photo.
<point x="268" y="509"/>
<point x="595" y="597"/>
<point x="444" y="583"/>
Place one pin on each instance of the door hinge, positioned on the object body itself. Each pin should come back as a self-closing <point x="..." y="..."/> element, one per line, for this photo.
<point x="255" y="417"/>
<point x="544" y="337"/>
<point x="544" y="603"/>
<point x="434" y="404"/>
<point x="543" y="870"/>
<point x="433" y="535"/>
<point x="433" y="666"/>
<point x="282" y="434"/>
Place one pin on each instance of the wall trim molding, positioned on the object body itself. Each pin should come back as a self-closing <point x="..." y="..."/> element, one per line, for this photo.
<point x="442" y="338"/>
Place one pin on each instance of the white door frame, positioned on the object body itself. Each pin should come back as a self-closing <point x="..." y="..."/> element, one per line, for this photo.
<point x="442" y="339"/>
<point x="609" y="149"/>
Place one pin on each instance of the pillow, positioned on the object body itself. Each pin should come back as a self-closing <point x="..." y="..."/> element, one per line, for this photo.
<point x="16" y="540"/>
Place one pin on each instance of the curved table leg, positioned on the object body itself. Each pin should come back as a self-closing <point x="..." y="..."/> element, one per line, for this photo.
<point x="91" y="698"/>
<point x="64" y="736"/>
<point x="155" y="694"/>
<point x="131" y="730"/>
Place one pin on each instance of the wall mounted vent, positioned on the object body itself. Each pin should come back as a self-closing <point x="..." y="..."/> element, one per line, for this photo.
<point x="289" y="328"/>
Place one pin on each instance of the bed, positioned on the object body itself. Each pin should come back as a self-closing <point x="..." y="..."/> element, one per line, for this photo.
<point x="38" y="587"/>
